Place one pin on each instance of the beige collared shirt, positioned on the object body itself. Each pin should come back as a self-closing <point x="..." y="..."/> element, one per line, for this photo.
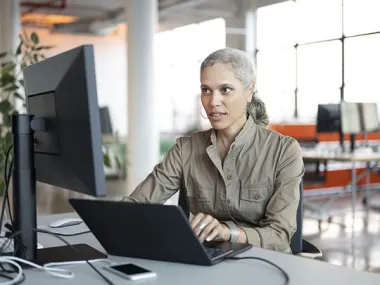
<point x="258" y="182"/>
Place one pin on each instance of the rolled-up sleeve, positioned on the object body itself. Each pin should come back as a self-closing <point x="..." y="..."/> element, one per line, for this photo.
<point x="280" y="220"/>
<point x="163" y="182"/>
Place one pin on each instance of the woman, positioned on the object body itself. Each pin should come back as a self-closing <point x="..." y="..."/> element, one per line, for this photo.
<point x="242" y="180"/>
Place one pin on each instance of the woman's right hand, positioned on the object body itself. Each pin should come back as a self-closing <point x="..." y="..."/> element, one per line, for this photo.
<point x="206" y="227"/>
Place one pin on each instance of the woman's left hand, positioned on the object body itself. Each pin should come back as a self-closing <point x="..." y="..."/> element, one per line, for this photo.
<point x="208" y="228"/>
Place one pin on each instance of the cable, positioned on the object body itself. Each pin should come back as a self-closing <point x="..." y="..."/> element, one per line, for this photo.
<point x="8" y="176"/>
<point x="67" y="243"/>
<point x="49" y="268"/>
<point x="11" y="278"/>
<point x="266" y="261"/>
<point x="7" y="179"/>
<point x="72" y="235"/>
<point x="57" y="272"/>
<point x="19" y="272"/>
<point x="52" y="264"/>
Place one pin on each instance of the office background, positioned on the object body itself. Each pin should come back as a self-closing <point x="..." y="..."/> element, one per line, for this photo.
<point x="308" y="52"/>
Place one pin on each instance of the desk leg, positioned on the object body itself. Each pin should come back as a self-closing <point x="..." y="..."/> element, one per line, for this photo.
<point x="367" y="183"/>
<point x="353" y="187"/>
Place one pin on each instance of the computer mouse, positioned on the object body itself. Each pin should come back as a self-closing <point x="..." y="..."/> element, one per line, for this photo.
<point x="65" y="223"/>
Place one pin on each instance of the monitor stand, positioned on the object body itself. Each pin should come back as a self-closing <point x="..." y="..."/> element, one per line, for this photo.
<point x="352" y="143"/>
<point x="341" y="141"/>
<point x="24" y="200"/>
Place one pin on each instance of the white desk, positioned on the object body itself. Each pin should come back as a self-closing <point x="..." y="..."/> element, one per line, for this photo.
<point x="353" y="158"/>
<point x="301" y="270"/>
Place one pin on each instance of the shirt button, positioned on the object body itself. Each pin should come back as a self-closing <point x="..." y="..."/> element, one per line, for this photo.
<point x="257" y="196"/>
<point x="229" y="177"/>
<point x="233" y="146"/>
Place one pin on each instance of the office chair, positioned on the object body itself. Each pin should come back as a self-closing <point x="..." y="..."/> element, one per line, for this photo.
<point x="298" y="245"/>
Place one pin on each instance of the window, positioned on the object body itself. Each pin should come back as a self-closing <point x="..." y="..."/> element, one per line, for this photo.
<point x="319" y="76"/>
<point x="276" y="25"/>
<point x="318" y="20"/>
<point x="320" y="65"/>
<point x="178" y="54"/>
<point x="276" y="82"/>
<point x="361" y="17"/>
<point x="314" y="29"/>
<point x="362" y="54"/>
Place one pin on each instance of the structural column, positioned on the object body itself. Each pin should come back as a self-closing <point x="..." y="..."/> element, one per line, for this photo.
<point x="143" y="128"/>
<point x="9" y="25"/>
<point x="251" y="28"/>
<point x="241" y="30"/>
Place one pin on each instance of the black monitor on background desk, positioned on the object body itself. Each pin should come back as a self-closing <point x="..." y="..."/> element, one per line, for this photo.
<point x="329" y="120"/>
<point x="105" y="121"/>
<point x="58" y="141"/>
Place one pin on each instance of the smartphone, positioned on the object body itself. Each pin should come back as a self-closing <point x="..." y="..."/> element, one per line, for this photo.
<point x="131" y="271"/>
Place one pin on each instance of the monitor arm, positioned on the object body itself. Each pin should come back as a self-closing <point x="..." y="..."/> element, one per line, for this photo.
<point x="24" y="198"/>
<point x="24" y="186"/>
<point x="24" y="183"/>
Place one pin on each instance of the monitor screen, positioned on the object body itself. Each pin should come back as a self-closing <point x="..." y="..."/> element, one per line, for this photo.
<point x="328" y="118"/>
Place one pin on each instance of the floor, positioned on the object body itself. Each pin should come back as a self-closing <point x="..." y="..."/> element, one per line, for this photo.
<point x="356" y="245"/>
<point x="350" y="240"/>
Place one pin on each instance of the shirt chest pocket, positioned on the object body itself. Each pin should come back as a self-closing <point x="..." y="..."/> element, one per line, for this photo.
<point x="199" y="199"/>
<point x="253" y="201"/>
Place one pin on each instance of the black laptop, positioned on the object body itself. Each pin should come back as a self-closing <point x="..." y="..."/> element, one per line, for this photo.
<point x="150" y="231"/>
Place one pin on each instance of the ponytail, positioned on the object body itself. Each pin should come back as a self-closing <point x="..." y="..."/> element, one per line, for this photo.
<point x="257" y="110"/>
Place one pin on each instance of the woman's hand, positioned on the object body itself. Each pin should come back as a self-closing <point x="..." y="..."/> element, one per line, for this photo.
<point x="208" y="228"/>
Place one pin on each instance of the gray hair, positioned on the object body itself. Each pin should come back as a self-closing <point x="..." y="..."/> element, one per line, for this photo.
<point x="244" y="70"/>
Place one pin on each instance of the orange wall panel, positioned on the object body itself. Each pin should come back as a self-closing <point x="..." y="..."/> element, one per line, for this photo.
<point x="335" y="178"/>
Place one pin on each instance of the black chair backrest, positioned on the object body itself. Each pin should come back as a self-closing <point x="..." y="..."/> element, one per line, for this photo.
<point x="182" y="202"/>
<point x="296" y="241"/>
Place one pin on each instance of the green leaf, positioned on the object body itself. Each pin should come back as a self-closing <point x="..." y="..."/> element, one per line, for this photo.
<point x="7" y="79"/>
<point x="8" y="139"/>
<point x="2" y="184"/>
<point x="118" y="163"/>
<point x="18" y="95"/>
<point x="35" y="58"/>
<point x="12" y="88"/>
<point x="19" y="48"/>
<point x="7" y="121"/>
<point x="7" y="63"/>
<point x="21" y="81"/>
<point x="5" y="107"/>
<point x="8" y="69"/>
<point x="34" y="38"/>
<point x="3" y="54"/>
<point x="107" y="160"/>
<point x="44" y="47"/>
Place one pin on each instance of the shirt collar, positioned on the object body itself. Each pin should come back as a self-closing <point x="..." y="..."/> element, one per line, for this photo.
<point x="246" y="134"/>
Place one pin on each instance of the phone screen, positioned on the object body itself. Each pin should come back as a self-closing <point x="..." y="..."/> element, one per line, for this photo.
<point x="129" y="269"/>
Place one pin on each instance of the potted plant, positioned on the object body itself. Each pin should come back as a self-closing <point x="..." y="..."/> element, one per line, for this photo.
<point x="12" y="92"/>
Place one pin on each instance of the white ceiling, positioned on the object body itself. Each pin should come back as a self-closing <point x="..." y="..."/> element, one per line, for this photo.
<point x="95" y="14"/>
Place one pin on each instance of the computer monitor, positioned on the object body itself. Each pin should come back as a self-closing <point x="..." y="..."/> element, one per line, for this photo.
<point x="370" y="117"/>
<point x="58" y="141"/>
<point x="328" y="118"/>
<point x="351" y="118"/>
<point x="105" y="121"/>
